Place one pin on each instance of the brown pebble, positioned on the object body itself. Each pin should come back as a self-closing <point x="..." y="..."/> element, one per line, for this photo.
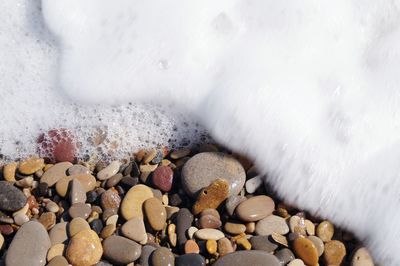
<point x="212" y="212"/>
<point x="110" y="199"/>
<point x="84" y="249"/>
<point x="234" y="228"/>
<point x="209" y="221"/>
<point x="211" y="246"/>
<point x="107" y="231"/>
<point x="306" y="251"/>
<point x="191" y="247"/>
<point x="76" y="225"/>
<point x="211" y="196"/>
<point x="325" y="231"/>
<point x="48" y="220"/>
<point x="255" y="208"/>
<point x="334" y="252"/>
<point x="225" y="246"/>
<point x="155" y="213"/>
<point x="31" y="165"/>
<point x="58" y="261"/>
<point x="318" y="244"/>
<point x="87" y="181"/>
<point x="56" y="250"/>
<point x="80" y="210"/>
<point x="9" y="171"/>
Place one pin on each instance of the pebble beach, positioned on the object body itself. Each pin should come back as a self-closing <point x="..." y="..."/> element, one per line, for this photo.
<point x="204" y="206"/>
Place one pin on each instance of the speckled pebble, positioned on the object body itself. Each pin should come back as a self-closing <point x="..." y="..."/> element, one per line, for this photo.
<point x="208" y="233"/>
<point x="325" y="231"/>
<point x="334" y="252"/>
<point x="84" y="248"/>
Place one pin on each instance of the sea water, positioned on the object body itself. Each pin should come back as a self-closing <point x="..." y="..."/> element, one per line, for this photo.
<point x="308" y="89"/>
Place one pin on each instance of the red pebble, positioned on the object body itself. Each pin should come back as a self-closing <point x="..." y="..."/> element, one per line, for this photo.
<point x="162" y="178"/>
<point x="32" y="202"/>
<point x="6" y="229"/>
<point x="58" y="145"/>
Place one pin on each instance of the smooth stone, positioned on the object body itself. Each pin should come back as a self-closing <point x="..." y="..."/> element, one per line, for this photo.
<point x="1" y="241"/>
<point x="76" y="225"/>
<point x="11" y="198"/>
<point x="212" y="246"/>
<point x="362" y="258"/>
<point x="56" y="250"/>
<point x="129" y="181"/>
<point x="209" y="233"/>
<point x="162" y="257"/>
<point x="147" y="250"/>
<point x="107" y="231"/>
<point x="25" y="182"/>
<point x="132" y="203"/>
<point x="318" y="244"/>
<point x="9" y="171"/>
<point x="272" y="224"/>
<point x="84" y="248"/>
<point x="77" y="194"/>
<point x="204" y="168"/>
<point x="255" y="208"/>
<point x="310" y="227"/>
<point x="135" y="229"/>
<point x="191" y="247"/>
<point x="109" y="171"/>
<point x="234" y="228"/>
<point x="232" y="202"/>
<point x="51" y="206"/>
<point x="78" y="169"/>
<point x="162" y="178"/>
<point x="31" y="165"/>
<point x="48" y="220"/>
<point x="253" y="183"/>
<point x="87" y="181"/>
<point x="284" y="256"/>
<point x="58" y="261"/>
<point x="113" y="219"/>
<point x="191" y="259"/>
<point x="97" y="226"/>
<point x="29" y="246"/>
<point x="334" y="252"/>
<point x="6" y="229"/>
<point x="296" y="262"/>
<point x="212" y="212"/>
<point x="110" y="199"/>
<point x="155" y="213"/>
<point x="114" y="180"/>
<point x="107" y="213"/>
<point x="121" y="250"/>
<point x="58" y="234"/>
<point x="248" y="257"/>
<point x="80" y="210"/>
<point x="306" y="250"/>
<point x="20" y="219"/>
<point x="225" y="246"/>
<point x="184" y="220"/>
<point x="325" y="231"/>
<point x="263" y="243"/>
<point x="211" y="196"/>
<point x="55" y="173"/>
<point x="209" y="221"/>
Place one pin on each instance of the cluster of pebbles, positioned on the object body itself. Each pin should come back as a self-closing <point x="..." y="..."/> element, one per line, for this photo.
<point x="159" y="208"/>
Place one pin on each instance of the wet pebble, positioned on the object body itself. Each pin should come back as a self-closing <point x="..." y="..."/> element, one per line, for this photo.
<point x="211" y="196"/>
<point x="334" y="252"/>
<point x="255" y="208"/>
<point x="362" y="258"/>
<point x="109" y="171"/>
<point x="131" y="205"/>
<point x="55" y="173"/>
<point x="284" y="256"/>
<point x="162" y="178"/>
<point x="208" y="233"/>
<point x="306" y="250"/>
<point x="272" y="224"/>
<point x="263" y="243"/>
<point x="325" y="231"/>
<point x="121" y="250"/>
<point x="191" y="259"/>
<point x="30" y="165"/>
<point x="77" y="194"/>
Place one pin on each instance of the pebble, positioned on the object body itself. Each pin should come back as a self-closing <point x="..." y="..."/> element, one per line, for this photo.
<point x="155" y="213"/>
<point x="108" y="230"/>
<point x="87" y="181"/>
<point x="55" y="173"/>
<point x="325" y="231"/>
<point x="204" y="168"/>
<point x="211" y="196"/>
<point x="77" y="194"/>
<point x="212" y="212"/>
<point x="114" y="180"/>
<point x="208" y="233"/>
<point x="29" y="246"/>
<point x="362" y="258"/>
<point x="234" y="228"/>
<point x="184" y="221"/>
<point x="109" y="171"/>
<point x="78" y="169"/>
<point x="11" y="198"/>
<point x="58" y="234"/>
<point x="25" y="182"/>
<point x="20" y="219"/>
<point x="134" y="229"/>
<point x="209" y="221"/>
<point x="191" y="259"/>
<point x="51" y="206"/>
<point x="9" y="171"/>
<point x="110" y="199"/>
<point x="121" y="250"/>
<point x="30" y="165"/>
<point x="80" y="210"/>
<point x="248" y="257"/>
<point x="132" y="203"/>
<point x="284" y="256"/>
<point x="306" y="250"/>
<point x="191" y="247"/>
<point x="177" y="154"/>
<point x="113" y="219"/>
<point x="296" y="262"/>
<point x="334" y="252"/>
<point x="58" y="261"/>
<point x="225" y="246"/>
<point x="318" y="244"/>
<point x="255" y="208"/>
<point x="84" y="248"/>
<point x="48" y="220"/>
<point x="56" y="250"/>
<point x="162" y="257"/>
<point x="147" y="250"/>
<point x="272" y="224"/>
<point x="77" y="225"/>
<point x="162" y="178"/>
<point x="263" y="243"/>
<point x="310" y="227"/>
<point x="253" y="183"/>
<point x="211" y="246"/>
<point x="232" y="202"/>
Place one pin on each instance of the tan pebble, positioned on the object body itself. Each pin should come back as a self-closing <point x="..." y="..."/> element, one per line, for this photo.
<point x="225" y="246"/>
<point x="76" y="225"/>
<point x="171" y="210"/>
<point x="56" y="250"/>
<point x="208" y="233"/>
<point x="294" y="221"/>
<point x="191" y="231"/>
<point x="271" y="224"/>
<point x="209" y="221"/>
<point x="1" y="241"/>
<point x="107" y="231"/>
<point x="250" y="227"/>
<point x="173" y="239"/>
<point x="133" y="201"/>
<point x="362" y="258"/>
<point x="109" y="171"/>
<point x="87" y="181"/>
<point x="191" y="247"/>
<point x="325" y="231"/>
<point x="140" y="155"/>
<point x="112" y="219"/>
<point x="77" y="193"/>
<point x="171" y="229"/>
<point x="211" y="246"/>
<point x="20" y="219"/>
<point x="148" y="168"/>
<point x="318" y="244"/>
<point x="58" y="261"/>
<point x="48" y="166"/>
<point x="155" y="213"/>
<point x="31" y="165"/>
<point x="280" y="239"/>
<point x="48" y="220"/>
<point x="150" y="155"/>
<point x="165" y="162"/>
<point x="25" y="182"/>
<point x="255" y="208"/>
<point x="58" y="234"/>
<point x="9" y="171"/>
<point x="244" y="243"/>
<point x="84" y="249"/>
<point x="51" y="206"/>
<point x="55" y="173"/>
<point x="93" y="216"/>
<point x="334" y="252"/>
<point x="135" y="229"/>
<point x="306" y="250"/>
<point x="296" y="262"/>
<point x="165" y="199"/>
<point x="234" y="228"/>
<point x="212" y="212"/>
<point x="177" y="154"/>
<point x="23" y="210"/>
<point x="211" y="196"/>
<point x="310" y="228"/>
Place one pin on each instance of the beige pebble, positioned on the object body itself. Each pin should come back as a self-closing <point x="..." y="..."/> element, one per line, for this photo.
<point x="191" y="231"/>
<point x="58" y="234"/>
<point x="30" y="165"/>
<point x="87" y="181"/>
<point x="211" y="246"/>
<point x="171" y="229"/>
<point x="84" y="249"/>
<point x="20" y="219"/>
<point x="250" y="227"/>
<point x="112" y="219"/>
<point x="51" y="206"/>
<point x="56" y="250"/>
<point x="55" y="173"/>
<point x="362" y="258"/>
<point x="48" y="220"/>
<point x="234" y="228"/>
<point x="155" y="213"/>
<point x="1" y="241"/>
<point x="148" y="168"/>
<point x="310" y="228"/>
<point x="318" y="244"/>
<point x="23" y="210"/>
<point x="280" y="239"/>
<point x="272" y="224"/>
<point x="325" y="231"/>
<point x="208" y="233"/>
<point x="109" y="171"/>
<point x="225" y="246"/>
<point x="76" y="225"/>
<point x="334" y="252"/>
<point x="173" y="239"/>
<point x="165" y="199"/>
<point x="150" y="155"/>
<point x="25" y="182"/>
<point x="9" y="171"/>
<point x="132" y="203"/>
<point x="255" y="208"/>
<point x="134" y="229"/>
<point x="296" y="262"/>
<point x="108" y="231"/>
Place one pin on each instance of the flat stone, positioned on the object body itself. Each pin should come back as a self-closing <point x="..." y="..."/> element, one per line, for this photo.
<point x="80" y="210"/>
<point x="191" y="247"/>
<point x="325" y="231"/>
<point x="255" y="208"/>
<point x="208" y="233"/>
<point x="162" y="257"/>
<point x="318" y="244"/>
<point x="234" y="228"/>
<point x="248" y="257"/>
<point x="114" y="180"/>
<point x="155" y="213"/>
<point x="232" y="202"/>
<point x="134" y="229"/>
<point x="20" y="219"/>
<point x="147" y="250"/>
<point x="87" y="181"/>
<point x="225" y="246"/>
<point x="48" y="220"/>
<point x="362" y="258"/>
<point x="9" y="171"/>
<point x="263" y="243"/>
<point x="191" y="259"/>
<point x="204" y="168"/>
<point x="305" y="250"/>
<point x="109" y="171"/>
<point x="162" y="178"/>
<point x="84" y="248"/>
<point x="284" y="256"/>
<point x="77" y="225"/>
<point x="209" y="221"/>
<point x="184" y="220"/>
<point x="58" y="261"/>
<point x="272" y="224"/>
<point x="133" y="201"/>
<point x="55" y="173"/>
<point x="30" y="165"/>
<point x="121" y="250"/>
<point x="253" y="183"/>
<point x="29" y="246"/>
<point x="58" y="234"/>
<point x="334" y="253"/>
<point x="211" y="196"/>
<point x="78" y="169"/>
<point x="77" y="193"/>
<point x="11" y="198"/>
<point x="110" y="199"/>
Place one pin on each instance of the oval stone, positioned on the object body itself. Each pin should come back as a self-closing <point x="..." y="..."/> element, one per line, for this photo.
<point x="209" y="233"/>
<point x="155" y="213"/>
<point x="11" y="198"/>
<point x="362" y="258"/>
<point x="134" y="229"/>
<point x="31" y="165"/>
<point x="305" y="250"/>
<point x="334" y="253"/>
<point x="55" y="173"/>
<point x="272" y="224"/>
<point x="162" y="178"/>
<point x="263" y="243"/>
<point x="58" y="234"/>
<point x="132" y="203"/>
<point x="255" y="208"/>
<point x="162" y="257"/>
<point x="87" y="181"/>
<point x="204" y="168"/>
<point x="121" y="250"/>
<point x="84" y="249"/>
<point x="109" y="171"/>
<point x="248" y="257"/>
<point x="191" y="259"/>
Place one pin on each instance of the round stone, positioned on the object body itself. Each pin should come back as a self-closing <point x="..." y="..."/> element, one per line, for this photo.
<point x="77" y="225"/>
<point x="87" y="181"/>
<point x="212" y="246"/>
<point x="80" y="210"/>
<point x="255" y="208"/>
<point x="212" y="212"/>
<point x="325" y="231"/>
<point x="97" y="226"/>
<point x="109" y="171"/>
<point x="191" y="259"/>
<point x="121" y="250"/>
<point x="204" y="168"/>
<point x="362" y="258"/>
<point x="248" y="257"/>
<point x="31" y="165"/>
<point x="134" y="229"/>
<point x="162" y="178"/>
<point x="11" y="198"/>
<point x="334" y="252"/>
<point x="107" y="231"/>
<point x="29" y="246"/>
<point x="147" y="250"/>
<point x="209" y="221"/>
<point x="225" y="246"/>
<point x="234" y="228"/>
<point x="191" y="247"/>
<point x="58" y="234"/>
<point x="114" y="180"/>
<point x="317" y="243"/>
<point x="110" y="199"/>
<point x="208" y="233"/>
<point x="232" y="202"/>
<point x="84" y="248"/>
<point x="48" y="220"/>
<point x="58" y="261"/>
<point x="263" y="243"/>
<point x="155" y="213"/>
<point x="162" y="257"/>
<point x="272" y="224"/>
<point x="253" y="183"/>
<point x="132" y="203"/>
<point x="306" y="250"/>
<point x="55" y="173"/>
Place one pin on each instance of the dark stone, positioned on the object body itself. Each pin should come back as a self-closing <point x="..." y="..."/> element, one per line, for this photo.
<point x="248" y="257"/>
<point x="97" y="225"/>
<point x="285" y="256"/>
<point x="162" y="178"/>
<point x="132" y="169"/>
<point x="91" y="196"/>
<point x="263" y="243"/>
<point x="6" y="229"/>
<point x="184" y="220"/>
<point x="114" y="180"/>
<point x="191" y="259"/>
<point x="145" y="256"/>
<point x="42" y="190"/>
<point x="11" y="198"/>
<point x="129" y="181"/>
<point x="175" y="199"/>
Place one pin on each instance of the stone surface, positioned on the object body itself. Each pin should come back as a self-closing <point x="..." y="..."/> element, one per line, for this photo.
<point x="325" y="231"/>
<point x="77" y="193"/>
<point x="132" y="203"/>
<point x="48" y="220"/>
<point x="334" y="252"/>
<point x="58" y="234"/>
<point x="271" y="224"/>
<point x="9" y="171"/>
<point x="156" y="214"/>
<point x="109" y="171"/>
<point x="55" y="173"/>
<point x="263" y="243"/>
<point x="305" y="250"/>
<point x="78" y="169"/>
<point x="84" y="249"/>
<point x="11" y="198"/>
<point x="79" y="210"/>
<point x="114" y="180"/>
<point x="147" y="250"/>
<point x="232" y="202"/>
<point x="255" y="208"/>
<point x="284" y="256"/>
<point x="209" y="221"/>
<point x="87" y="181"/>
<point x="162" y="178"/>
<point x="211" y="246"/>
<point x="184" y="221"/>
<point x="191" y="247"/>
<point x="204" y="168"/>
<point x="29" y="246"/>
<point x="110" y="199"/>
<point x="191" y="259"/>
<point x="211" y="196"/>
<point x="134" y="229"/>
<point x="253" y="183"/>
<point x="77" y="225"/>
<point x="162" y="257"/>
<point x="107" y="231"/>
<point x="362" y="258"/>
<point x="248" y="257"/>
<point x="58" y="261"/>
<point x="30" y="165"/>
<point x="225" y="246"/>
<point x="208" y="233"/>
<point x="318" y="244"/>
<point x="234" y="228"/>
<point x="56" y="250"/>
<point x="121" y="250"/>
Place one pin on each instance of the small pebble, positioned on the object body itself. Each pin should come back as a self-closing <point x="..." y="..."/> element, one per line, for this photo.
<point x="56" y="250"/>
<point x="145" y="256"/>
<point x="234" y="228"/>
<point x="296" y="262"/>
<point x="225" y="246"/>
<point x="55" y="173"/>
<point x="11" y="198"/>
<point x="155" y="213"/>
<point x="255" y="208"/>
<point x="253" y="183"/>
<point x="109" y="171"/>
<point x="184" y="221"/>
<point x="317" y="243"/>
<point x="162" y="178"/>
<point x="80" y="210"/>
<point x="306" y="250"/>
<point x="325" y="231"/>
<point x="51" y="206"/>
<point x="209" y="221"/>
<point x="20" y="219"/>
<point x="263" y="243"/>
<point x="191" y="259"/>
<point x="211" y="246"/>
<point x="48" y="220"/>
<point x="58" y="234"/>
<point x="334" y="252"/>
<point x="131" y="205"/>
<point x="162" y="257"/>
<point x="77" y="225"/>
<point x="84" y="248"/>
<point x="110" y="199"/>
<point x="362" y="258"/>
<point x="77" y="194"/>
<point x="134" y="229"/>
<point x="9" y="171"/>
<point x="285" y="256"/>
<point x="191" y="247"/>
<point x="211" y="196"/>
<point x="121" y="250"/>
<point x="177" y="154"/>
<point x="107" y="231"/>
<point x="30" y="165"/>
<point x="208" y="233"/>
